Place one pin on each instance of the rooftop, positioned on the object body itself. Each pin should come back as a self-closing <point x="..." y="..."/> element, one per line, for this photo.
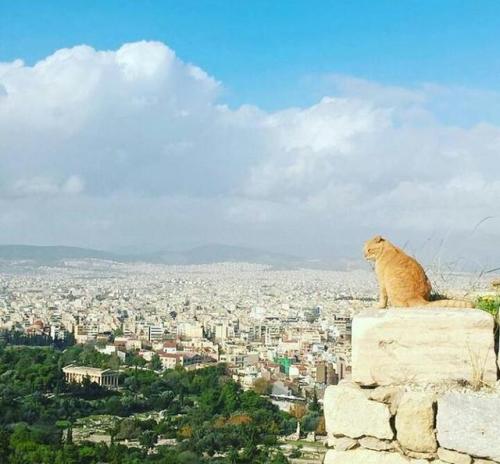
<point x="85" y="370"/>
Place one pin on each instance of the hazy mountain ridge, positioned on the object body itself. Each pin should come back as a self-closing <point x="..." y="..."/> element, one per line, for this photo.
<point x="207" y="254"/>
<point x="52" y="254"/>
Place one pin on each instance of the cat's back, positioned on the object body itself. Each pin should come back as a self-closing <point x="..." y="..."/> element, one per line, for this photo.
<point x="394" y="259"/>
<point x="403" y="275"/>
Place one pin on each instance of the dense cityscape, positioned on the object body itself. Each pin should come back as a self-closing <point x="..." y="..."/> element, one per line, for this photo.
<point x="282" y="334"/>
<point x="258" y="320"/>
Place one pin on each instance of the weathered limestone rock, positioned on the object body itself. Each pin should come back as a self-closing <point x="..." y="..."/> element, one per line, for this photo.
<point x="482" y="461"/>
<point x="364" y="456"/>
<point x="418" y="456"/>
<point x="424" y="345"/>
<point x="376" y="444"/>
<point x="453" y="457"/>
<point x="349" y="412"/>
<point x="470" y="424"/>
<point x="390" y="395"/>
<point x="415" y="422"/>
<point x="344" y="443"/>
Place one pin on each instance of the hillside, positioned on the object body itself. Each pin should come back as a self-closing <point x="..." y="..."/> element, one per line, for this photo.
<point x="47" y="255"/>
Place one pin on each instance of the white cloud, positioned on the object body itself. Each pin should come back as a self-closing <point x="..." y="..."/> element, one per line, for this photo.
<point x="44" y="186"/>
<point x="134" y="146"/>
<point x="385" y="95"/>
<point x="73" y="185"/>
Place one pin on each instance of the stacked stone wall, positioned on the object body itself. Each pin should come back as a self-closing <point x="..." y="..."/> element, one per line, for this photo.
<point x="409" y="413"/>
<point x="396" y="425"/>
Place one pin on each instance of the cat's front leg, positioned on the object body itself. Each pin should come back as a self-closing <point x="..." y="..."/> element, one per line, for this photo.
<point x="382" y="301"/>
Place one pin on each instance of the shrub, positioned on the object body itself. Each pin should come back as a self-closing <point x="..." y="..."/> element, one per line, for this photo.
<point x="490" y="304"/>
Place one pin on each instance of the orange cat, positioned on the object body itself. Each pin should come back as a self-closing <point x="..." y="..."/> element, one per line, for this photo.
<point x="402" y="280"/>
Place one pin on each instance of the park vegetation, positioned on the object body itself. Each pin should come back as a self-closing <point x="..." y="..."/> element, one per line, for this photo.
<point x="203" y="415"/>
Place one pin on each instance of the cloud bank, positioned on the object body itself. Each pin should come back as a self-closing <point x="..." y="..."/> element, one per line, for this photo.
<point x="135" y="147"/>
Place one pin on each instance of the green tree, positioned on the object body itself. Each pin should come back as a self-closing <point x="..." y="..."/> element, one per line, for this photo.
<point x="279" y="458"/>
<point x="314" y="404"/>
<point x="148" y="439"/>
<point x="230" y="397"/>
<point x="4" y="446"/>
<point x="310" y="421"/>
<point x="114" y="362"/>
<point x="262" y="386"/>
<point x="118" y="332"/>
<point x="188" y="457"/>
<point x="156" y="363"/>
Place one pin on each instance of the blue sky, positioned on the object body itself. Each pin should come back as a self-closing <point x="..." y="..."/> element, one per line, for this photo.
<point x="299" y="127"/>
<point x="270" y="53"/>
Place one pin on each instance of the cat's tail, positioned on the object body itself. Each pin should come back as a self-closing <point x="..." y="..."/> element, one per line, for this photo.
<point x="450" y="304"/>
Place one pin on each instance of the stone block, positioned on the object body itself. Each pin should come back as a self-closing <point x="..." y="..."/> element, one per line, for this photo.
<point x="470" y="423"/>
<point x="415" y="422"/>
<point x="389" y="395"/>
<point x="453" y="457"/>
<point x="419" y="456"/>
<point x="364" y="456"/>
<point x="344" y="443"/>
<point x="349" y="412"/>
<point x="376" y="444"/>
<point x="422" y="345"/>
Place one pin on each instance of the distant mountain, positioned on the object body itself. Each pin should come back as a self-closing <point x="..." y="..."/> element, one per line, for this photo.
<point x="51" y="254"/>
<point x="207" y="254"/>
<point x="46" y="255"/>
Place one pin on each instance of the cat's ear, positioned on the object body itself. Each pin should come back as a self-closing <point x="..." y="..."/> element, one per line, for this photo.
<point x="378" y="239"/>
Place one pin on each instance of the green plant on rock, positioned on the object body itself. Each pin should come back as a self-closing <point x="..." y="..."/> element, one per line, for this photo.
<point x="490" y="304"/>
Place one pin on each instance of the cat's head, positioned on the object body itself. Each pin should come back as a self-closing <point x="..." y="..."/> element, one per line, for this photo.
<point x="373" y="248"/>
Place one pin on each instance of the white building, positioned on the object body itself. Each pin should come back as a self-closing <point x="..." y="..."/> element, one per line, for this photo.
<point x="104" y="377"/>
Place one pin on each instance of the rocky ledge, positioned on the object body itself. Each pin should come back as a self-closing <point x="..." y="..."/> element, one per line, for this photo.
<point x="424" y="346"/>
<point x="424" y="390"/>
<point x="396" y="425"/>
